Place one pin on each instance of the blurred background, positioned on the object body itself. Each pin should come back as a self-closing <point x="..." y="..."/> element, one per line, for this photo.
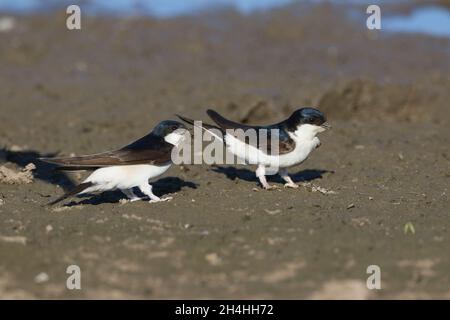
<point x="135" y="63"/>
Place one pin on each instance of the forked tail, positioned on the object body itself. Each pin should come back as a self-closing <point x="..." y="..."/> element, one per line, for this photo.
<point x="79" y="188"/>
<point x="205" y="126"/>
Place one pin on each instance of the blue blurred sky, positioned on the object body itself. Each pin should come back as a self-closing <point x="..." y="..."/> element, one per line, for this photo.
<point x="431" y="20"/>
<point x="161" y="8"/>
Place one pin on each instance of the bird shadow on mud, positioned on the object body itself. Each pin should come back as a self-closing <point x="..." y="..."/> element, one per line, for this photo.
<point x="161" y="188"/>
<point x="44" y="171"/>
<point x="307" y="175"/>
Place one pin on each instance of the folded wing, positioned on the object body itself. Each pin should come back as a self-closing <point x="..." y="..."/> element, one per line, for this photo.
<point x="147" y="150"/>
<point x="225" y="123"/>
<point x="285" y="142"/>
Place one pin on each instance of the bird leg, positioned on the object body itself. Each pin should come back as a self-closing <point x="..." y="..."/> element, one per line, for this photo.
<point x="130" y="194"/>
<point x="289" y="183"/>
<point x="261" y="174"/>
<point x="147" y="190"/>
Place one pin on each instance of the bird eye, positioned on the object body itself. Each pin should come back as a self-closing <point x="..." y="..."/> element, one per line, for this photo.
<point x="174" y="128"/>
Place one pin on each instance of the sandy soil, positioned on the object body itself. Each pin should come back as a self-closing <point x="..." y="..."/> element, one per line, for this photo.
<point x="387" y="158"/>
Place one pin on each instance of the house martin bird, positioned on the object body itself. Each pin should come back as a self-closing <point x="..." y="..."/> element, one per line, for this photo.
<point x="297" y="138"/>
<point x="128" y="167"/>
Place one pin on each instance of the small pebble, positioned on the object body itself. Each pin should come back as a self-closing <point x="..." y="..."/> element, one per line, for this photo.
<point x="272" y="212"/>
<point x="213" y="259"/>
<point x="41" y="278"/>
<point x="7" y="24"/>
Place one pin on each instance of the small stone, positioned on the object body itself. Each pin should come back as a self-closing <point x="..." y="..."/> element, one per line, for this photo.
<point x="213" y="259"/>
<point x="7" y="24"/>
<point x="29" y="167"/>
<point x="41" y="278"/>
<point x="14" y="239"/>
<point x="48" y="228"/>
<point x="272" y="212"/>
<point x="9" y="176"/>
<point x="322" y="190"/>
<point x="351" y="205"/>
<point x="16" y="148"/>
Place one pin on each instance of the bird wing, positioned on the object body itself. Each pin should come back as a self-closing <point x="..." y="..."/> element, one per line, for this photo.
<point x="225" y="123"/>
<point x="285" y="143"/>
<point x="147" y="150"/>
<point x="204" y="126"/>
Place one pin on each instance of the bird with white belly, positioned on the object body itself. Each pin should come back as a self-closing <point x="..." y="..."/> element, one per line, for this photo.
<point x="128" y="167"/>
<point x="294" y="140"/>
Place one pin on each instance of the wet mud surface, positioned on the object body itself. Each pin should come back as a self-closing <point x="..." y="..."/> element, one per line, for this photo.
<point x="387" y="158"/>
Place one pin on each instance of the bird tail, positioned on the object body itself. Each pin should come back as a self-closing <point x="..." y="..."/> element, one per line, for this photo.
<point x="79" y="188"/>
<point x="204" y="126"/>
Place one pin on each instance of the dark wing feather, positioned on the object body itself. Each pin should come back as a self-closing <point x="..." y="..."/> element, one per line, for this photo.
<point x="286" y="143"/>
<point x="147" y="150"/>
<point x="191" y="122"/>
<point x="79" y="188"/>
<point x="225" y="123"/>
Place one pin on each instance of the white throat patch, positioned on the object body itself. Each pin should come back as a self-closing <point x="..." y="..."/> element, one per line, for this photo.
<point x="176" y="137"/>
<point x="308" y="131"/>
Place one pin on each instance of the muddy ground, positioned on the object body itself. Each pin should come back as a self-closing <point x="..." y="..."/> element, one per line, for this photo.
<point x="387" y="158"/>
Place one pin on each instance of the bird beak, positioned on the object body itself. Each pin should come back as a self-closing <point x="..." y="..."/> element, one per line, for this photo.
<point x="326" y="126"/>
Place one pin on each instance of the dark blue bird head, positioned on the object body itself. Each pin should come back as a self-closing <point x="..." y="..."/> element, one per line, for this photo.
<point x="166" y="127"/>
<point x="306" y="116"/>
